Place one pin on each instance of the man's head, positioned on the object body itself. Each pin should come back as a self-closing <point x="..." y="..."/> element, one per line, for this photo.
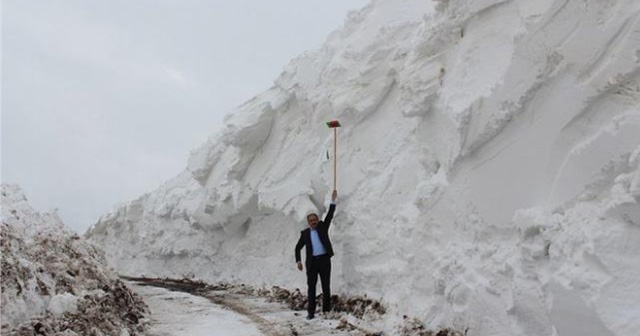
<point x="312" y="220"/>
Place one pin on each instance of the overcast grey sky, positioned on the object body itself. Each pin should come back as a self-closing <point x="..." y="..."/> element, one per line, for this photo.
<point x="103" y="100"/>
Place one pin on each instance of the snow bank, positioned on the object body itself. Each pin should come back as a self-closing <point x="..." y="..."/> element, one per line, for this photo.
<point x="53" y="281"/>
<point x="488" y="170"/>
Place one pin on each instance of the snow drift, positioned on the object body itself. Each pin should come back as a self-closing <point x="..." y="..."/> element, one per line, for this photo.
<point x="488" y="170"/>
<point x="53" y="281"/>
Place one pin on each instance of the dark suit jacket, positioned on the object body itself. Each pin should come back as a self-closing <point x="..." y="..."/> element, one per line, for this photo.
<point x="323" y="234"/>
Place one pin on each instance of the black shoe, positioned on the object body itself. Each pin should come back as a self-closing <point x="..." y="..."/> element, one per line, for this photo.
<point x="310" y="317"/>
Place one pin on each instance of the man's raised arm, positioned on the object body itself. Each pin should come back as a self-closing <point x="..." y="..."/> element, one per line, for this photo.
<point x="332" y="209"/>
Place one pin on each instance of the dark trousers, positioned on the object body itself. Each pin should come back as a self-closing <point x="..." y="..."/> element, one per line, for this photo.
<point x="320" y="265"/>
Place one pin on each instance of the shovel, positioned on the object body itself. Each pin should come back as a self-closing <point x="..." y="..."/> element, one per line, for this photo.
<point x="335" y="124"/>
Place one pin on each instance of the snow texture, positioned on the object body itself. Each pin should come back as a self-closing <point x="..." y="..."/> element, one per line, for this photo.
<point x="55" y="283"/>
<point x="488" y="170"/>
<point x="175" y="313"/>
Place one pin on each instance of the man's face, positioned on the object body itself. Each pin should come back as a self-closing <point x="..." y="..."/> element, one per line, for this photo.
<point x="312" y="220"/>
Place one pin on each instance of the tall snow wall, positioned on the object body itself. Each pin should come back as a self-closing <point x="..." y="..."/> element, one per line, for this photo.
<point x="488" y="170"/>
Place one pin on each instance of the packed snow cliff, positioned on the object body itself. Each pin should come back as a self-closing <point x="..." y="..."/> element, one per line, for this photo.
<point x="54" y="283"/>
<point x="488" y="170"/>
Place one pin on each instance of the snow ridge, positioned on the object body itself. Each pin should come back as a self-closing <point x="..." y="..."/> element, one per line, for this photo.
<point x="489" y="170"/>
<point x="53" y="281"/>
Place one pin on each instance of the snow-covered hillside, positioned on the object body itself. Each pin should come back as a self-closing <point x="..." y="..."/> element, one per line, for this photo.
<point x="488" y="161"/>
<point x="55" y="283"/>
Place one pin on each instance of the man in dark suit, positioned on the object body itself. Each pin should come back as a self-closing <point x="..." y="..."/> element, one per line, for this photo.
<point x="318" y="260"/>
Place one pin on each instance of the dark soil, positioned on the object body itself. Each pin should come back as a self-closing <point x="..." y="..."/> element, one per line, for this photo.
<point x="74" y="267"/>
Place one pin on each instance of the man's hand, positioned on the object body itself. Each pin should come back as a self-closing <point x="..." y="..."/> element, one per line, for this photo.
<point x="334" y="195"/>
<point x="299" y="265"/>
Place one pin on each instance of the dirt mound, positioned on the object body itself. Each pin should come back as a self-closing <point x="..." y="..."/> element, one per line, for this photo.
<point x="101" y="313"/>
<point x="55" y="283"/>
<point x="414" y="327"/>
<point x="355" y="305"/>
